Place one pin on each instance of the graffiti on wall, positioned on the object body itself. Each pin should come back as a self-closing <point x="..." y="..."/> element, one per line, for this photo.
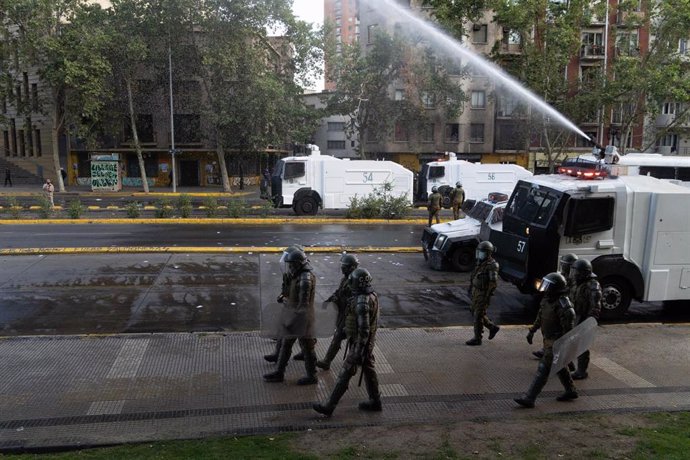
<point x="104" y="176"/>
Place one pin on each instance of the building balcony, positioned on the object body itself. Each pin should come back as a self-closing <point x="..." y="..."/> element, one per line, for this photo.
<point x="510" y="48"/>
<point x="664" y="119"/>
<point x="664" y="149"/>
<point x="632" y="18"/>
<point x="592" y="52"/>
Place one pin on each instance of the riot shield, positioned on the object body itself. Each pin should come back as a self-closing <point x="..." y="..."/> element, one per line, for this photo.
<point x="279" y="321"/>
<point x="575" y="342"/>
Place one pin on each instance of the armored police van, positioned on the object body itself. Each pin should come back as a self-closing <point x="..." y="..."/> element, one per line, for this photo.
<point x="634" y="229"/>
<point x="307" y="183"/>
<point x="451" y="245"/>
<point x="478" y="179"/>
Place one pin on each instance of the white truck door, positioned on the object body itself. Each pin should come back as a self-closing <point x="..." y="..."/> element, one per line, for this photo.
<point x="294" y="178"/>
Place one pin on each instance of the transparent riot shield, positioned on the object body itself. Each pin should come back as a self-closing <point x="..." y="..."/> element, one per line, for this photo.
<point x="573" y="344"/>
<point x="279" y="321"/>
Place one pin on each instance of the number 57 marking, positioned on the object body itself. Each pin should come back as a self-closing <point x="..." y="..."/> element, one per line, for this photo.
<point x="521" y="246"/>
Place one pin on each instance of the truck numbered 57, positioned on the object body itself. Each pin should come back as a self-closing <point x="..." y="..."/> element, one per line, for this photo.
<point x="307" y="183"/>
<point x="635" y="230"/>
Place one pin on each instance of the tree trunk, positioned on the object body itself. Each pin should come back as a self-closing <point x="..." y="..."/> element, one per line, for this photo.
<point x="223" y="167"/>
<point x="54" y="137"/>
<point x="135" y="135"/>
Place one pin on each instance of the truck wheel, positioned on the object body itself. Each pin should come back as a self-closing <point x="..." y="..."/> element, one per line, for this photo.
<point x="616" y="298"/>
<point x="306" y="206"/>
<point x="462" y="258"/>
<point x="444" y="190"/>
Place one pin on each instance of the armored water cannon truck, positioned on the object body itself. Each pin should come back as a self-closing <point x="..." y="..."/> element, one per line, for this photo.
<point x="451" y="245"/>
<point x="635" y="230"/>
<point x="478" y="179"/>
<point x="307" y="183"/>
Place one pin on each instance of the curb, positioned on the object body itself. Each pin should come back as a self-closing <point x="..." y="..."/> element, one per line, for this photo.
<point x="203" y="250"/>
<point x="217" y="221"/>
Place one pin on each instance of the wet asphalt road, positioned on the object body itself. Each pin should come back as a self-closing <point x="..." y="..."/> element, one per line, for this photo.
<point x="281" y="235"/>
<point x="85" y="294"/>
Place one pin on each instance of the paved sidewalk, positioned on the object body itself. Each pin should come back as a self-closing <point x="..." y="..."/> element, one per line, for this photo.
<point x="93" y="390"/>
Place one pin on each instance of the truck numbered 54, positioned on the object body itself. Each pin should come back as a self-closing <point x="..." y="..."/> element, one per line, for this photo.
<point x="307" y="183"/>
<point x="635" y="230"/>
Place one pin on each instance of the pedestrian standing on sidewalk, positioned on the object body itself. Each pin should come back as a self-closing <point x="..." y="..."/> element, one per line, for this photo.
<point x="341" y="299"/>
<point x="8" y="177"/>
<point x="299" y="303"/>
<point x="482" y="286"/>
<point x="434" y="205"/>
<point x="586" y="297"/>
<point x="360" y="325"/>
<point x="48" y="190"/>
<point x="556" y="317"/>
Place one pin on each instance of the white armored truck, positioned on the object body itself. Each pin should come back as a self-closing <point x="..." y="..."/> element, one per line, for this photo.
<point x="634" y="229"/>
<point x="307" y="183"/>
<point x="478" y="179"/>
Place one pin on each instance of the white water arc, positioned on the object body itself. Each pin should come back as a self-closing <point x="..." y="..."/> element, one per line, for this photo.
<point x="388" y="8"/>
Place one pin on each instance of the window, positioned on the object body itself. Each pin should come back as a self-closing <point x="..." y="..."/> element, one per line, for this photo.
<point x="37" y="144"/>
<point x="452" y="133"/>
<point x="478" y="99"/>
<point x="436" y="172"/>
<point x="144" y="129"/>
<point x="477" y="132"/>
<point x="22" y="144"/>
<point x="589" y="215"/>
<point x="18" y="92"/>
<point x="427" y="133"/>
<point x="401" y="134"/>
<point x="428" y="100"/>
<point x="683" y="46"/>
<point x="660" y="172"/>
<point x="34" y="97"/>
<point x="479" y="33"/>
<point x="187" y="128"/>
<point x="336" y="145"/>
<point x="626" y="44"/>
<point x="6" y="142"/>
<point x="507" y="106"/>
<point x="371" y="33"/>
<point x="592" y="44"/>
<point x="150" y="165"/>
<point x="4" y="104"/>
<point x="589" y="73"/>
<point x="338" y="126"/>
<point x="293" y="169"/>
<point x="670" y="108"/>
<point x="669" y="140"/>
<point x="514" y="37"/>
<point x="399" y="94"/>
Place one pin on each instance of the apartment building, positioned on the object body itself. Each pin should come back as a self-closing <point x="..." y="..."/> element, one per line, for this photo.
<point x="343" y="16"/>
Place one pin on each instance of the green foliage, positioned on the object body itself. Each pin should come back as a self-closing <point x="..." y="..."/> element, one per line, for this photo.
<point x="379" y="204"/>
<point x="266" y="209"/>
<point x="164" y="208"/>
<point x="668" y="439"/>
<point x="236" y="208"/>
<point x="184" y="205"/>
<point x="45" y="209"/>
<point x="75" y="209"/>
<point x="211" y="205"/>
<point x="13" y="207"/>
<point x="133" y="210"/>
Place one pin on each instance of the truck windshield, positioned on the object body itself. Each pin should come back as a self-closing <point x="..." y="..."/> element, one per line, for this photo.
<point x="480" y="211"/>
<point x="436" y="171"/>
<point x="278" y="170"/>
<point x="532" y="205"/>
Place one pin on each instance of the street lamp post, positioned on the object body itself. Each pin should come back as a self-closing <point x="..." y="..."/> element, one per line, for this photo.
<point x="172" y="122"/>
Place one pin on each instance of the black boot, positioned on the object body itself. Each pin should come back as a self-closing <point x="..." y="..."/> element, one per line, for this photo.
<point x="582" y="364"/>
<point x="474" y="342"/>
<point x="539" y="354"/>
<point x="371" y="381"/>
<point x="283" y="358"/>
<point x="310" y="366"/>
<point x="299" y="356"/>
<point x="338" y="391"/>
<point x="373" y="405"/>
<point x="535" y="388"/>
<point x="493" y="331"/>
<point x="333" y="350"/>
<point x="567" y="382"/>
<point x="273" y="357"/>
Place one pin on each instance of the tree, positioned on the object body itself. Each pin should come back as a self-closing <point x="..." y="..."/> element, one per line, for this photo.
<point x="363" y="83"/>
<point x="64" y="41"/>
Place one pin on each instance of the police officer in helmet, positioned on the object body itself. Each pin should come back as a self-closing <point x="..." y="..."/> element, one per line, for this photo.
<point x="586" y="296"/>
<point x="457" y="198"/>
<point x="434" y="205"/>
<point x="556" y="317"/>
<point x="482" y="286"/>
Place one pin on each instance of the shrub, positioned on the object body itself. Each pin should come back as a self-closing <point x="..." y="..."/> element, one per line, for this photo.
<point x="184" y="205"/>
<point x="164" y="209"/>
<point x="75" y="209"/>
<point x="13" y="207"/>
<point x="211" y="205"/>
<point x="236" y="208"/>
<point x="133" y="210"/>
<point x="266" y="208"/>
<point x="45" y="209"/>
<point x="380" y="203"/>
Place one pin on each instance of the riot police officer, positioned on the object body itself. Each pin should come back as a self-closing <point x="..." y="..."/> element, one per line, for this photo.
<point x="360" y="326"/>
<point x="586" y="296"/>
<point x="457" y="198"/>
<point x="341" y="298"/>
<point x="566" y="261"/>
<point x="299" y="302"/>
<point x="482" y="286"/>
<point x="434" y="205"/>
<point x="556" y="317"/>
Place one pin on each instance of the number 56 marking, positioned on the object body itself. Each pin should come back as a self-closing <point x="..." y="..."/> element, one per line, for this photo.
<point x="521" y="246"/>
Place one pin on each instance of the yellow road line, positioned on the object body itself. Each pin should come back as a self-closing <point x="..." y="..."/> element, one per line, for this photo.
<point x="202" y="250"/>
<point x="218" y="221"/>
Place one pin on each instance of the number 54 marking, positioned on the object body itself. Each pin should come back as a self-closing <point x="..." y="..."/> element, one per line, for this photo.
<point x="521" y="246"/>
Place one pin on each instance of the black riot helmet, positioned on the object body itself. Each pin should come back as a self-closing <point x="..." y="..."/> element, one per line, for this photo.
<point x="458" y="184"/>
<point x="565" y="263"/>
<point x="348" y="263"/>
<point x="434" y="189"/>
<point x="294" y="260"/>
<point x="581" y="270"/>
<point x="360" y="281"/>
<point x="286" y="251"/>
<point x="484" y="250"/>
<point x="553" y="284"/>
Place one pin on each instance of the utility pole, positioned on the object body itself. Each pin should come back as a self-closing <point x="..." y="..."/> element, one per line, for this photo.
<point x="172" y="122"/>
